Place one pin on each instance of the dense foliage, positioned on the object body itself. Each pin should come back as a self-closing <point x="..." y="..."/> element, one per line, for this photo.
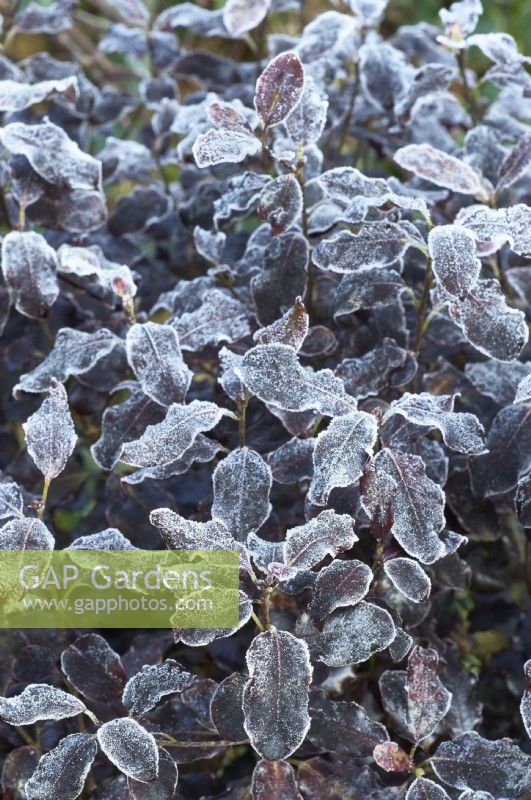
<point x="266" y="287"/>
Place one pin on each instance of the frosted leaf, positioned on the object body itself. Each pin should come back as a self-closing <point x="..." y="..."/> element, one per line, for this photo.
<point x="50" y="434"/>
<point x="15" y="96"/>
<point x="384" y="366"/>
<point x="356" y="193"/>
<point x="280" y="203"/>
<point x="134" y="12"/>
<point x="370" y="11"/>
<point x="91" y="263"/>
<point x="468" y="794"/>
<point x="283" y="277"/>
<point x="27" y="533"/>
<point x="62" y="771"/>
<point x="392" y="684"/>
<point x="200" y="20"/>
<point x="525" y="704"/>
<point x="279" y="88"/>
<point x="209" y="244"/>
<point x="272" y="372"/>
<point x="472" y="762"/>
<point x="375" y="244"/>
<point x="155" y="357"/>
<point x="221" y="146"/>
<point x="409" y="578"/>
<point x="396" y="486"/>
<point x="401" y="645"/>
<point x="29" y="266"/>
<point x="145" y="689"/>
<point x="496" y="379"/>
<point x="235" y="116"/>
<point x="355" y="634"/>
<point x="53" y="156"/>
<point x="488" y="322"/>
<point x="275" y="698"/>
<point x="428" y="700"/>
<point x="368" y="287"/>
<point x="240" y="196"/>
<point x="508" y="456"/>
<point x="523" y="391"/>
<point x="240" y="16"/>
<point x="343" y="727"/>
<point x="11" y="500"/>
<point x="339" y="585"/>
<point x="390" y="757"/>
<point x="306" y="122"/>
<point x="340" y="454"/>
<point x="226" y="708"/>
<point x="460" y="430"/>
<point x="186" y="534"/>
<point x="383" y="73"/>
<point x="199" y="637"/>
<point x="36" y="18"/>
<point x="93" y="668"/>
<point x="200" y="451"/>
<point x="274" y="780"/>
<point x="109" y="539"/>
<point x="242" y="483"/>
<point x="442" y="169"/>
<point x="495" y="226"/>
<point x="166" y="441"/>
<point x="219" y="318"/>
<point x="39" y="701"/>
<point x="453" y="254"/>
<point x="500" y="48"/>
<point x="424" y="789"/>
<point x="516" y="164"/>
<point x="124" y="422"/>
<point x="325" y="535"/>
<point x="74" y="353"/>
<point x="264" y="553"/>
<point x="461" y="18"/>
<point x="427" y="78"/>
<point x="291" y="328"/>
<point x="231" y="383"/>
<point x="163" y="788"/>
<point x="292" y="462"/>
<point x="130" y="748"/>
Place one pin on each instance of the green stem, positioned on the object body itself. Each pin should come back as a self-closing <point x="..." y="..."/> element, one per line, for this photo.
<point x="422" y="307"/>
<point x="468" y="91"/>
